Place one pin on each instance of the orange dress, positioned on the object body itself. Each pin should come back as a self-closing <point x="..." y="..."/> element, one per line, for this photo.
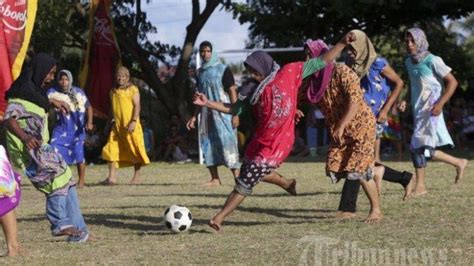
<point x="356" y="154"/>
<point x="124" y="148"/>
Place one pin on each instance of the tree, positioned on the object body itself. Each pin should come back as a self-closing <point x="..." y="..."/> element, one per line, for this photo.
<point x="61" y="29"/>
<point x="286" y="23"/>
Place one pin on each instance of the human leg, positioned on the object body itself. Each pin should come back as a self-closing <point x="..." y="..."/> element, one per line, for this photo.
<point x="348" y="203"/>
<point x="458" y="163"/>
<point x="74" y="215"/>
<point x="9" y="226"/>
<point x="81" y="170"/>
<point x="375" y="214"/>
<point x="136" y="174"/>
<point x="215" y="180"/>
<point x="289" y="185"/>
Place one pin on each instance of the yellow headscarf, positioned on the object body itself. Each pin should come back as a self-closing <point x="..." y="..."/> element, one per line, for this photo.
<point x="366" y="54"/>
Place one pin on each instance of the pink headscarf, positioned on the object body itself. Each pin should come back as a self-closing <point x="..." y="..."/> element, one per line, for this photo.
<point x="319" y="82"/>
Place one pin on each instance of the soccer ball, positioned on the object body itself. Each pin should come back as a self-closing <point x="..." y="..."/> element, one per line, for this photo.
<point x="177" y="218"/>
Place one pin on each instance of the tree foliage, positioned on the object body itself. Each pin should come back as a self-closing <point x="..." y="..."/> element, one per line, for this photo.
<point x="286" y="23"/>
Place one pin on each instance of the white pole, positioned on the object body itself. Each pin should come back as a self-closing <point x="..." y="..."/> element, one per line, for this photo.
<point x="201" y="156"/>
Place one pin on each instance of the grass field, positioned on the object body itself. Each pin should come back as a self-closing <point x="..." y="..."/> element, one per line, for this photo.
<point x="269" y="228"/>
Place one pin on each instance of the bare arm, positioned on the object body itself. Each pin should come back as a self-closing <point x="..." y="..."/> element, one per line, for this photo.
<point x="30" y="141"/>
<point x="90" y="118"/>
<point x="336" y="50"/>
<point x="201" y="100"/>
<point x="450" y="84"/>
<point x="393" y="78"/>
<point x="136" y="112"/>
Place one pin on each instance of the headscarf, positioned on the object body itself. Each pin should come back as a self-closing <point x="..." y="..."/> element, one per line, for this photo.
<point x="28" y="85"/>
<point x="366" y="54"/>
<point x="69" y="91"/>
<point x="319" y="82"/>
<point x="421" y="44"/>
<point x="214" y="60"/>
<point x="264" y="64"/>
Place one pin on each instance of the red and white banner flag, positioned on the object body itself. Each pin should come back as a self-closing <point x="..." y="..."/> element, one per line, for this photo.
<point x="102" y="58"/>
<point x="17" y="19"/>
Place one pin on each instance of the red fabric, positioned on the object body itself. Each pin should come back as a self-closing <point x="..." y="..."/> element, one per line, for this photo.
<point x="275" y="113"/>
<point x="12" y="32"/>
<point x="104" y="59"/>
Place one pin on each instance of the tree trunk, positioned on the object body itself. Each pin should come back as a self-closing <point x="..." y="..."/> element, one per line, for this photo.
<point x="180" y="78"/>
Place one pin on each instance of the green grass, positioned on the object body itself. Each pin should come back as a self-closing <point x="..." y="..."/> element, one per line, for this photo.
<point x="270" y="227"/>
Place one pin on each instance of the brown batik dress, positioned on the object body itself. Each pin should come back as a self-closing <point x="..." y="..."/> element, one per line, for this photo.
<point x="353" y="158"/>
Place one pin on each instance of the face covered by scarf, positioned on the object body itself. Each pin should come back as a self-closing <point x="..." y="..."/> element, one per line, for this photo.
<point x="365" y="54"/>
<point x="28" y="85"/>
<point x="319" y="82"/>
<point x="264" y="64"/>
<point x="421" y="43"/>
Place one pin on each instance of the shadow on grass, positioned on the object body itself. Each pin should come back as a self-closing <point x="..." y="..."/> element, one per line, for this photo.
<point x="215" y="195"/>
<point x="134" y="185"/>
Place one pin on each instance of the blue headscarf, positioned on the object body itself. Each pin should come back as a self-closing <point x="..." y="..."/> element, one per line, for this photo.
<point x="212" y="62"/>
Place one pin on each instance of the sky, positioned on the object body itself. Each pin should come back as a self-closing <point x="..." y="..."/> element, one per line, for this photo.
<point x="172" y="16"/>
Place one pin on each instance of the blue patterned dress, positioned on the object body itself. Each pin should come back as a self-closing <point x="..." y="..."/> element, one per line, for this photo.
<point x="376" y="89"/>
<point x="218" y="140"/>
<point x="69" y="132"/>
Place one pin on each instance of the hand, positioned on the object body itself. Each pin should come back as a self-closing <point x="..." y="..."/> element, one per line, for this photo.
<point x="298" y="115"/>
<point x="191" y="122"/>
<point x="61" y="106"/>
<point x="382" y="117"/>
<point x="338" y="135"/>
<point x="31" y="142"/>
<point x="235" y="121"/>
<point x="89" y="126"/>
<point x="200" y="99"/>
<point x="402" y="106"/>
<point x="131" y="126"/>
<point x="348" y="38"/>
<point x="437" y="109"/>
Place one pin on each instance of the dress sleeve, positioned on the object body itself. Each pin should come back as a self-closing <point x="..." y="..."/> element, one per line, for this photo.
<point x="228" y="79"/>
<point x="439" y="67"/>
<point x="15" y="111"/>
<point x="313" y="65"/>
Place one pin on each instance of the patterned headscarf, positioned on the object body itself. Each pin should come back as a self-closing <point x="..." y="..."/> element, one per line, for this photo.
<point x="319" y="82"/>
<point x="264" y="64"/>
<point x="421" y="44"/>
<point x="69" y="91"/>
<point x="365" y="56"/>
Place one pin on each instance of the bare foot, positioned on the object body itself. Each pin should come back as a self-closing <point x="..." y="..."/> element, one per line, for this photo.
<point x="81" y="185"/>
<point x="460" y="171"/>
<point x="213" y="183"/>
<point x="292" y="187"/>
<point x="108" y="182"/>
<point x="134" y="181"/>
<point x="409" y="188"/>
<point x="373" y="218"/>
<point x="215" y="224"/>
<point x="378" y="175"/>
<point x="70" y="231"/>
<point x="416" y="194"/>
<point x="14" y="250"/>
<point x="345" y="215"/>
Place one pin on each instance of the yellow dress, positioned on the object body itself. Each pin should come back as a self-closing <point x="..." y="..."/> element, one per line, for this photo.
<point x="123" y="148"/>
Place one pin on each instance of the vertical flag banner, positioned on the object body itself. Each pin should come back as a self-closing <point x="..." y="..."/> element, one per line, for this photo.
<point x="17" y="18"/>
<point x="102" y="58"/>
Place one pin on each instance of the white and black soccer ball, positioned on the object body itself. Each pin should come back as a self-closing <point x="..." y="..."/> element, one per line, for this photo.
<point x="177" y="218"/>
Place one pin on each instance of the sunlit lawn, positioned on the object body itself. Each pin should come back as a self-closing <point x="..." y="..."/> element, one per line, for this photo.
<point x="269" y="228"/>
